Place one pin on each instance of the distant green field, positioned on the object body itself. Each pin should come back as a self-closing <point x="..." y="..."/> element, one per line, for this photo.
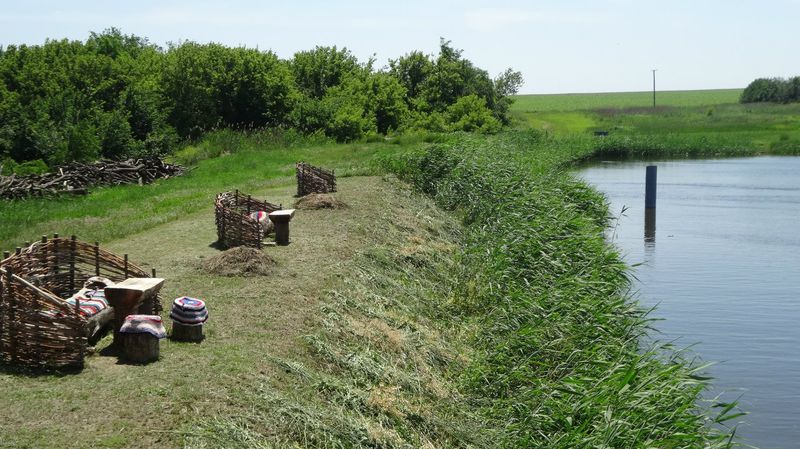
<point x="708" y="114"/>
<point x="574" y="102"/>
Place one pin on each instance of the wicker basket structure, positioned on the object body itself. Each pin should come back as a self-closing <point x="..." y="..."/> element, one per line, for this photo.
<point x="236" y="223"/>
<point x="38" y="328"/>
<point x="312" y="179"/>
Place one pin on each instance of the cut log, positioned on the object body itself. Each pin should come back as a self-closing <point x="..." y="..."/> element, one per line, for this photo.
<point x="187" y="332"/>
<point x="139" y="348"/>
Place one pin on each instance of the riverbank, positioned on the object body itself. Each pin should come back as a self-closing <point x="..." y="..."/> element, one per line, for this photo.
<point x="501" y="322"/>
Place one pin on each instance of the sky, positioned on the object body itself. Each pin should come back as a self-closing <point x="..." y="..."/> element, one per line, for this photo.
<point x="559" y="46"/>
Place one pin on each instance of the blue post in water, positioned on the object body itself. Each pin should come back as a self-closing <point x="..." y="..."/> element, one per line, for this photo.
<point x="650" y="187"/>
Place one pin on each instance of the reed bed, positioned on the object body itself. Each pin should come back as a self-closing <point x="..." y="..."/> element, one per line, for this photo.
<point x="561" y="355"/>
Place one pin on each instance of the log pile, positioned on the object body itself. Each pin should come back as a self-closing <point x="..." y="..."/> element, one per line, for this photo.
<point x="312" y="179"/>
<point x="77" y="177"/>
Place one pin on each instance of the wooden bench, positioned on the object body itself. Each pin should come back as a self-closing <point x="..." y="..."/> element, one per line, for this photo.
<point x="281" y="220"/>
<point x="126" y="297"/>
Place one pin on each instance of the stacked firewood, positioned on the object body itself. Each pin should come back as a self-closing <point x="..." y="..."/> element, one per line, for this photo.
<point x="78" y="177"/>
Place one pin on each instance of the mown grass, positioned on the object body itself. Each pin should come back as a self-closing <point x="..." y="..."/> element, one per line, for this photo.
<point x="224" y="160"/>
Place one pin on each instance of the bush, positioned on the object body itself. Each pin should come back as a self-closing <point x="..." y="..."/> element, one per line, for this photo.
<point x="774" y="90"/>
<point x="471" y="114"/>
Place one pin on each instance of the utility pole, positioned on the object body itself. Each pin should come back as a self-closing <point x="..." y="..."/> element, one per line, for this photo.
<point x="654" y="88"/>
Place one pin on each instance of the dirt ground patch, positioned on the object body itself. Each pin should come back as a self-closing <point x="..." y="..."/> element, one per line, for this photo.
<point x="239" y="261"/>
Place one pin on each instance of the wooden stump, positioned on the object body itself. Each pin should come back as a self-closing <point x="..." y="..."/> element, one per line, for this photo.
<point x="187" y="332"/>
<point x="139" y="348"/>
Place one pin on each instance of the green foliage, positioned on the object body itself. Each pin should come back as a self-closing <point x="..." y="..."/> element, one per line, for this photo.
<point x="561" y="352"/>
<point x="118" y="96"/>
<point x="315" y="71"/>
<point x="470" y="114"/>
<point x="772" y="90"/>
<point x="764" y="90"/>
<point x="9" y="166"/>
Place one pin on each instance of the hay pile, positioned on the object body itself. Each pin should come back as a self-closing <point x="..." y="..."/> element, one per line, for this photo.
<point x="315" y="201"/>
<point x="240" y="261"/>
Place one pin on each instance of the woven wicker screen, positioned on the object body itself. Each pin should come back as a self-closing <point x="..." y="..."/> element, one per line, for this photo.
<point x="235" y="224"/>
<point x="312" y="179"/>
<point x="38" y="329"/>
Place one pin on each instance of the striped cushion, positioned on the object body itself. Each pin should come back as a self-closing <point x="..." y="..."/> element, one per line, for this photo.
<point x="139" y="324"/>
<point x="259" y="216"/>
<point x="190" y="311"/>
<point x="91" y="302"/>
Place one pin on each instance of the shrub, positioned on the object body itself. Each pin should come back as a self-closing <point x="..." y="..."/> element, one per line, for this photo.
<point x="470" y="114"/>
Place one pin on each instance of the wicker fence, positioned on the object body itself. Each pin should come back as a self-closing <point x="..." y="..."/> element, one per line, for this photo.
<point x="38" y="329"/>
<point x="312" y="179"/>
<point x="236" y="225"/>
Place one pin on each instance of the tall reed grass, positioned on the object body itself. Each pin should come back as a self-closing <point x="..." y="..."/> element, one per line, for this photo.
<point x="561" y="359"/>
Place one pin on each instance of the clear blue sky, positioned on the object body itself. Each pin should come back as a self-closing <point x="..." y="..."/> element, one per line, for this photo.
<point x="559" y="46"/>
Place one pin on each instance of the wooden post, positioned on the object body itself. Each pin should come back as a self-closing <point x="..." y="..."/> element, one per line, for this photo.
<point x="97" y="258"/>
<point x="222" y="226"/>
<point x="43" y="257"/>
<point x="18" y="251"/>
<point x="2" y="311"/>
<point x="125" y="257"/>
<point x="12" y="319"/>
<point x="650" y="187"/>
<point x="73" y="242"/>
<point x="650" y="204"/>
<point x="6" y="254"/>
<point x="55" y="253"/>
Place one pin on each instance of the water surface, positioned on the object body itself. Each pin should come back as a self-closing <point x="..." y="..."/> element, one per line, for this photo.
<point x="724" y="271"/>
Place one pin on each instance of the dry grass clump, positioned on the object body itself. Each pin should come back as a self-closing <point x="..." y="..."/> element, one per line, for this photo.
<point x="240" y="261"/>
<point x="316" y="201"/>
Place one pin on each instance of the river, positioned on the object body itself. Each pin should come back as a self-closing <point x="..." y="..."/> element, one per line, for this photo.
<point x="723" y="269"/>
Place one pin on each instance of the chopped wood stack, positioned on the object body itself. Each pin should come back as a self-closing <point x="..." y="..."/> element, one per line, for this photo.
<point x="312" y="179"/>
<point x="77" y="177"/>
<point x="38" y="328"/>
<point x="238" y="221"/>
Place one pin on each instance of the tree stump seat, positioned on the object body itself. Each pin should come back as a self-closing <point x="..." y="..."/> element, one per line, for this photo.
<point x="139" y="338"/>
<point x="188" y="316"/>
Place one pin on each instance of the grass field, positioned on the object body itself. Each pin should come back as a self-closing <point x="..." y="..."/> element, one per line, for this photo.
<point x="249" y="163"/>
<point x="576" y="102"/>
<point x="690" y="115"/>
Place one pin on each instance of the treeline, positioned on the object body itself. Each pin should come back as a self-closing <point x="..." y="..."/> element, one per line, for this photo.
<point x="773" y="90"/>
<point x="117" y="95"/>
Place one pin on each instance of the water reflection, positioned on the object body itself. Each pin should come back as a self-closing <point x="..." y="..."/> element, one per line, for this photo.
<point x="649" y="226"/>
<point x="725" y="274"/>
